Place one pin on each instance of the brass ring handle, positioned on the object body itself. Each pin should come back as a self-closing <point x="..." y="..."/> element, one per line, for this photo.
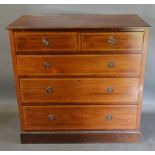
<point x="111" y="64"/>
<point x="112" y="41"/>
<point x="45" y="42"/>
<point x="109" y="117"/>
<point x="47" y="65"/>
<point x="109" y="90"/>
<point x="50" y="90"/>
<point x="51" y="117"/>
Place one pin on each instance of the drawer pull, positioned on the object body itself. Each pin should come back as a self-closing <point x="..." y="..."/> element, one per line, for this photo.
<point x="49" y="90"/>
<point x="51" y="117"/>
<point x="47" y="65"/>
<point x="111" y="65"/>
<point x="112" y="41"/>
<point x="109" y="90"/>
<point x="45" y="42"/>
<point x="109" y="117"/>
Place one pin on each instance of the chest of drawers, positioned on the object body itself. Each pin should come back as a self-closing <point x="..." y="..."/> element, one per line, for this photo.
<point x="79" y="78"/>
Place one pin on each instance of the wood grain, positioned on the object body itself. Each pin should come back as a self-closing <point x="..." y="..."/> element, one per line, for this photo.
<point x="79" y="117"/>
<point x="82" y="21"/>
<point x="76" y="90"/>
<point x="141" y="84"/>
<point x="16" y="78"/>
<point x="124" y="41"/>
<point x="79" y="52"/>
<point x="58" y="41"/>
<point x="127" y="65"/>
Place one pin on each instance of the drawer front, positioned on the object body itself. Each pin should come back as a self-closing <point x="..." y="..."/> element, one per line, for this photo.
<point x="51" y="41"/>
<point x="88" y="65"/>
<point x="122" y="41"/>
<point x="80" y="90"/>
<point x="92" y="117"/>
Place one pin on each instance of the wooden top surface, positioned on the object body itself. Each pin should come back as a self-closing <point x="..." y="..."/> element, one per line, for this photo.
<point x="78" y="22"/>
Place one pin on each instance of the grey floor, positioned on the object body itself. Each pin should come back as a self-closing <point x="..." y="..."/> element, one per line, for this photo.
<point x="9" y="131"/>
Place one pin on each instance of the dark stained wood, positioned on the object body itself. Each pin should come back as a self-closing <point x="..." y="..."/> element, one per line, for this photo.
<point x="60" y="41"/>
<point x="82" y="65"/>
<point x="79" y="53"/>
<point x="124" y="41"/>
<point x="78" y="21"/>
<point x="88" y="117"/>
<point x="72" y="90"/>
<point x="110" y="137"/>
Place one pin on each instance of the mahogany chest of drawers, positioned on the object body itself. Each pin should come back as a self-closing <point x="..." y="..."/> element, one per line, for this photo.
<point x="79" y="78"/>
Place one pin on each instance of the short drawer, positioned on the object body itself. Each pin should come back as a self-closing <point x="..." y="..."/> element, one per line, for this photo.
<point x="92" y="117"/>
<point x="79" y="90"/>
<point x="123" y="65"/>
<point x="45" y="41"/>
<point x="117" y="41"/>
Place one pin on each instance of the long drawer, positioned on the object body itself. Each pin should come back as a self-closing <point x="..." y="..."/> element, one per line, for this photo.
<point x="92" y="117"/>
<point x="79" y="90"/>
<point x="113" y="41"/>
<point x="123" y="65"/>
<point x="46" y="41"/>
